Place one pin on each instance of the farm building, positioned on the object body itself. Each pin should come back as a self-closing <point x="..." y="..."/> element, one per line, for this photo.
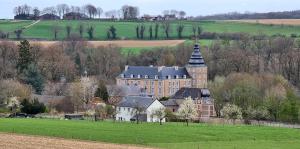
<point x="201" y="97"/>
<point x="127" y="109"/>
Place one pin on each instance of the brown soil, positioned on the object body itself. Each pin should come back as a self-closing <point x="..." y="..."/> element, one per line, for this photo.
<point x="272" y="21"/>
<point x="124" y="43"/>
<point x="15" y="141"/>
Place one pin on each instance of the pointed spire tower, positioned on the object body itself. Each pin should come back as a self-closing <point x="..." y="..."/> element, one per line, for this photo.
<point x="197" y="69"/>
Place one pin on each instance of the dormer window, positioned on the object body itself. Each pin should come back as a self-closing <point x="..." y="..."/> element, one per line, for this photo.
<point x="131" y="76"/>
<point x="122" y="76"/>
<point x="139" y="76"/>
<point x="146" y="77"/>
<point x="177" y="76"/>
<point x="156" y="76"/>
<point x="169" y="76"/>
<point x="184" y="76"/>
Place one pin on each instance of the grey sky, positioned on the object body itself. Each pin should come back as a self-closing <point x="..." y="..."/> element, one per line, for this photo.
<point x="192" y="7"/>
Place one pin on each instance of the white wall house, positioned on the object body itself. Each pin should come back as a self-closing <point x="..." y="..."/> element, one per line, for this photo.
<point x="126" y="109"/>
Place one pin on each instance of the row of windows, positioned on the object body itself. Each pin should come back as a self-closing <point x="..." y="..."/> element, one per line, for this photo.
<point x="155" y="77"/>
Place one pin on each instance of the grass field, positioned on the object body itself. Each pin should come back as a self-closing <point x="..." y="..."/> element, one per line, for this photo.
<point x="126" y="30"/>
<point x="271" y="21"/>
<point x="169" y="135"/>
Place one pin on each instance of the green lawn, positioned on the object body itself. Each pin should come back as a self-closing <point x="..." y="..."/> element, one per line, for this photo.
<point x="126" y="30"/>
<point x="169" y="135"/>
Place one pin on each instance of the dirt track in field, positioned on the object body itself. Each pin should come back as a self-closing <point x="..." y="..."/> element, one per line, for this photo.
<point x="271" y="21"/>
<point x="15" y="141"/>
<point x="124" y="43"/>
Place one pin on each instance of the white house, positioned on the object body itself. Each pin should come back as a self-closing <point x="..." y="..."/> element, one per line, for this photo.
<point x="127" y="109"/>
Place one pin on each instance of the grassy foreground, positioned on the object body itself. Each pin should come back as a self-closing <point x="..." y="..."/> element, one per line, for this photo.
<point x="44" y="29"/>
<point x="169" y="135"/>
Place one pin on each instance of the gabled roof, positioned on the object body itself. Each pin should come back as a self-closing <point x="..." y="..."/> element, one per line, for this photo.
<point x="191" y="92"/>
<point x="196" y="59"/>
<point x="150" y="71"/>
<point x="134" y="101"/>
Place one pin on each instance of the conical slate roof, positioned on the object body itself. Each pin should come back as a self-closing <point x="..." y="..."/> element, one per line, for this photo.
<point x="196" y="58"/>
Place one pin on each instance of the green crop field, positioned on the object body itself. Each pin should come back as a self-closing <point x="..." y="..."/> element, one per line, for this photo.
<point x="126" y="30"/>
<point x="169" y="135"/>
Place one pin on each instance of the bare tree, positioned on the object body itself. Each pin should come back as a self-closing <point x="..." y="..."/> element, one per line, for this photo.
<point x="62" y="9"/>
<point x="99" y="12"/>
<point x="137" y="111"/>
<point x="182" y="14"/>
<point x="130" y="12"/>
<point x="111" y="14"/>
<point x="91" y="10"/>
<point x="36" y="13"/>
<point x="160" y="114"/>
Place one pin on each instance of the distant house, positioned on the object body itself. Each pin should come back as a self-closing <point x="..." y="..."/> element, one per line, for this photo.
<point x="204" y="103"/>
<point x="49" y="16"/>
<point x="170" y="17"/>
<point x="126" y="109"/>
<point x="75" y="16"/>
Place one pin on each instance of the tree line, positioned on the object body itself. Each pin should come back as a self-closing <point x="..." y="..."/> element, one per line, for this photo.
<point x="255" y="75"/>
<point x="248" y="15"/>
<point x="88" y="11"/>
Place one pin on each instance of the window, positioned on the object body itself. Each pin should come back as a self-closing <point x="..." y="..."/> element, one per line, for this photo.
<point x="156" y="76"/>
<point x="146" y="76"/>
<point x="119" y="109"/>
<point x="139" y="76"/>
<point x="128" y="109"/>
<point x="184" y="76"/>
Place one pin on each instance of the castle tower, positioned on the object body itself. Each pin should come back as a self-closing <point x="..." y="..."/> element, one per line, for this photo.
<point x="197" y="69"/>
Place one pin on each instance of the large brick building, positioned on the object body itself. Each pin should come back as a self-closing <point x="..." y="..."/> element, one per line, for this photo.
<point x="162" y="81"/>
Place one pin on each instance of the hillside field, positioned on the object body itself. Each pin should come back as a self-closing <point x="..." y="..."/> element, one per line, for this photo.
<point x="43" y="30"/>
<point x="271" y="21"/>
<point x="169" y="135"/>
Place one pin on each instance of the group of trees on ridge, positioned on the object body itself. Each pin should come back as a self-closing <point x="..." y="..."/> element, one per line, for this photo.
<point x="88" y="11"/>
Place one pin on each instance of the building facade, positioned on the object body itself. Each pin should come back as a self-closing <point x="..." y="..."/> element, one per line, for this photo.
<point x="126" y="109"/>
<point x="162" y="81"/>
<point x="201" y="97"/>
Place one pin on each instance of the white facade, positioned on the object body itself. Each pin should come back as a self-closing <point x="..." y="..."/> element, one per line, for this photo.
<point x="126" y="113"/>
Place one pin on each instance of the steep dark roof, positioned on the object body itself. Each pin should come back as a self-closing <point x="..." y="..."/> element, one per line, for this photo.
<point x="170" y="102"/>
<point x="196" y="59"/>
<point x="193" y="92"/>
<point x="133" y="101"/>
<point x="150" y="71"/>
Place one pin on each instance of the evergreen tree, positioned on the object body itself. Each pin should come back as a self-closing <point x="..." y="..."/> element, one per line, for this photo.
<point x="101" y="91"/>
<point x="113" y="32"/>
<point x="78" y="63"/>
<point x="25" y="57"/>
<point x="137" y="30"/>
<point x="33" y="77"/>
<point x="150" y="32"/>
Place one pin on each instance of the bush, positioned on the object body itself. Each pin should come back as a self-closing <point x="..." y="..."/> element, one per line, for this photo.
<point x="32" y="107"/>
<point x="232" y="112"/>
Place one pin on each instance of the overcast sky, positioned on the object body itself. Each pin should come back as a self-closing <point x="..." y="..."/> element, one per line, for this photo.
<point x="192" y="7"/>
